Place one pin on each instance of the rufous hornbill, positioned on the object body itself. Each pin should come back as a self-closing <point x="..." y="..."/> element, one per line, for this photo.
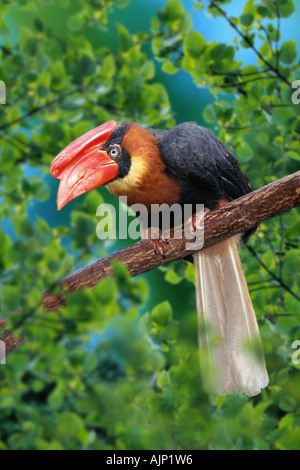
<point x="186" y="165"/>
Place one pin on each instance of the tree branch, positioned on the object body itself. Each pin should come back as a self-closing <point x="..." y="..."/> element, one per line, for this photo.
<point x="250" y="43"/>
<point x="235" y="217"/>
<point x="256" y="79"/>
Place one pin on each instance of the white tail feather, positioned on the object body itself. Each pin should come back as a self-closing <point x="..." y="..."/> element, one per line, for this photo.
<point x="231" y="353"/>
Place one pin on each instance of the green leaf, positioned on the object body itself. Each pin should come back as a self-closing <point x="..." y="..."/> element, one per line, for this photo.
<point x="245" y="152"/>
<point x="28" y="43"/>
<point x="71" y="426"/>
<point x="58" y="75"/>
<point x="92" y="201"/>
<point x="75" y="23"/>
<point x="247" y="19"/>
<point x="11" y="297"/>
<point x="194" y="44"/>
<point x="209" y="114"/>
<point x="148" y="70"/>
<point x="162" y="313"/>
<point x="174" y="10"/>
<point x="82" y="227"/>
<point x="42" y="193"/>
<point x="198" y="6"/>
<point x="263" y="11"/>
<point x="56" y="398"/>
<point x="124" y="36"/>
<point x="169" y="68"/>
<point x="288" y="52"/>
<point x="286" y="8"/>
<point x="22" y="226"/>
<point x="163" y="380"/>
<point x="108" y="68"/>
<point x="262" y="138"/>
<point x="265" y="49"/>
<point x="294" y="155"/>
<point x="172" y="277"/>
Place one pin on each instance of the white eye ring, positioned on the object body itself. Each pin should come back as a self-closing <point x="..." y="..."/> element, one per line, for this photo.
<point x="114" y="152"/>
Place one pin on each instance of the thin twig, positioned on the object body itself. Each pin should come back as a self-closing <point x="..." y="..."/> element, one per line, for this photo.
<point x="281" y="245"/>
<point x="267" y="36"/>
<point x="278" y="33"/>
<point x="263" y="288"/>
<point x="237" y="84"/>
<point x="41" y="108"/>
<point x="248" y="41"/>
<point x="29" y="144"/>
<point x="255" y="283"/>
<point x="266" y="234"/>
<point x="274" y="276"/>
<point x="13" y="144"/>
<point x="239" y="74"/>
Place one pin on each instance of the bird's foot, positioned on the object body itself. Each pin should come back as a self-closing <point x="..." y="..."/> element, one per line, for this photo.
<point x="155" y="237"/>
<point x="196" y="222"/>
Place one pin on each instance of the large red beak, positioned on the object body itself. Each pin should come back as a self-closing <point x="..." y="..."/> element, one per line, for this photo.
<point x="82" y="166"/>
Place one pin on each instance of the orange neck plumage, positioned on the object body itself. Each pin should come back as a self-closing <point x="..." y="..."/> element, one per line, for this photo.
<point x="147" y="182"/>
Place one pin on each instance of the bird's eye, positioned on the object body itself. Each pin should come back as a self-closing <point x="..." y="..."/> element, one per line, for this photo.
<point x="114" y="151"/>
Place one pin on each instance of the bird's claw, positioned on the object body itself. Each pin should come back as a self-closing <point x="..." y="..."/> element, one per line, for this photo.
<point x="163" y="239"/>
<point x="196" y="221"/>
<point x="157" y="248"/>
<point x="155" y="242"/>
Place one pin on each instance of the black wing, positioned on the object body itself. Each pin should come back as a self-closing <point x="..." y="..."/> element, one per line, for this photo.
<point x="204" y="167"/>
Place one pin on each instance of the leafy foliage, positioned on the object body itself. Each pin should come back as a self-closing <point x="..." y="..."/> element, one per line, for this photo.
<point x="100" y="375"/>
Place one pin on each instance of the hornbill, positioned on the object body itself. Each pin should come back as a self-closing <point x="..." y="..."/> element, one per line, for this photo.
<point x="185" y="165"/>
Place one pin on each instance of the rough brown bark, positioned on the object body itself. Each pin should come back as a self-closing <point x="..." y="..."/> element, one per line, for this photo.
<point x="235" y="217"/>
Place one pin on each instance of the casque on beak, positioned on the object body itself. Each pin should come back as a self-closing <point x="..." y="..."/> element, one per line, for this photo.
<point x="82" y="166"/>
